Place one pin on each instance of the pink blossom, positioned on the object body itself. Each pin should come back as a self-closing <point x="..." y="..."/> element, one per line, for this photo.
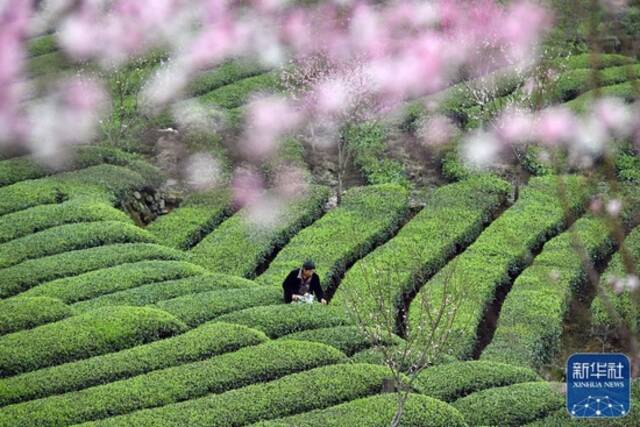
<point x="628" y="283"/>
<point x="265" y="212"/>
<point x="481" y="149"/>
<point x="437" y="130"/>
<point x="247" y="187"/>
<point x="332" y="96"/>
<point x="596" y="205"/>
<point x="269" y="119"/>
<point x="614" y="114"/>
<point x="556" y="125"/>
<point x="202" y="171"/>
<point x="515" y="126"/>
<point x="290" y="183"/>
<point x="614" y="207"/>
<point x="68" y="116"/>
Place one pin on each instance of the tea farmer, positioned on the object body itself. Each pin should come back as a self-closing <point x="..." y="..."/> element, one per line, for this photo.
<point x="301" y="281"/>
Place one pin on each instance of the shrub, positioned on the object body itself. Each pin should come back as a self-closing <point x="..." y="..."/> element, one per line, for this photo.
<point x="238" y="247"/>
<point x="208" y="340"/>
<point x="588" y="60"/>
<point x="107" y="280"/>
<point x="305" y="391"/>
<point x="423" y="245"/>
<point x="367" y="144"/>
<point x="366" y="217"/>
<point x="624" y="90"/>
<point x="85" y="335"/>
<point x="155" y="292"/>
<point x="574" y="82"/>
<point x="20" y="169"/>
<point x="198" y="308"/>
<point x="451" y="381"/>
<point x="376" y="411"/>
<point x="628" y="167"/>
<point x="531" y="318"/>
<point x="348" y="339"/>
<point x="264" y="362"/>
<point x="284" y="319"/>
<point x="499" y="253"/>
<point x="623" y="302"/>
<point x="39" y="218"/>
<point x="27" y="274"/>
<point x="28" y="194"/>
<point x="70" y="237"/>
<point x="511" y="405"/>
<point x="42" y="44"/>
<point x="533" y="162"/>
<point x="25" y="313"/>
<point x="237" y="93"/>
<point x="26" y="167"/>
<point x="453" y="169"/>
<point x="106" y="183"/>
<point x="222" y="75"/>
<point x="185" y="226"/>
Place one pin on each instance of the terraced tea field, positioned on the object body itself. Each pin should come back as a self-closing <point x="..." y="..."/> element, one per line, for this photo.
<point x="182" y="323"/>
<point x="107" y="323"/>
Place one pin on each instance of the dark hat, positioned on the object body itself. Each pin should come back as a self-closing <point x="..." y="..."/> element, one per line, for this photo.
<point x="309" y="265"/>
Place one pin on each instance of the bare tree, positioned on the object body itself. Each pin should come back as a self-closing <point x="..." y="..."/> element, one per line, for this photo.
<point x="380" y="316"/>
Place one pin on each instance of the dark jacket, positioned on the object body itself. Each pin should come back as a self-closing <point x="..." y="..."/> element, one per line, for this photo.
<point x="291" y="285"/>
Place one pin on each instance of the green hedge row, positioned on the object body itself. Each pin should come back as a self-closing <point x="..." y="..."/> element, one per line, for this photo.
<point x="106" y="183"/>
<point x="348" y="339"/>
<point x="246" y="366"/>
<point x="530" y="325"/>
<point x="25" y="167"/>
<point x="238" y="247"/>
<point x="284" y="319"/>
<point x="25" y="313"/>
<point x="622" y="303"/>
<point x="626" y="91"/>
<point x="237" y="93"/>
<point x="572" y="83"/>
<point x="39" y="218"/>
<point x="160" y="291"/>
<point x="376" y="411"/>
<point x="222" y="75"/>
<point x="588" y="60"/>
<point x="70" y="237"/>
<point x="423" y="245"/>
<point x="27" y="274"/>
<point x="367" y="144"/>
<point x="511" y="405"/>
<point x="185" y="226"/>
<point x="27" y="194"/>
<point x="301" y="392"/>
<point x="108" y="280"/>
<point x="206" y="341"/>
<point x="451" y="381"/>
<point x="90" y="334"/>
<point x="366" y="217"/>
<point x="561" y="418"/>
<point x="498" y="254"/>
<point x="198" y="308"/>
<point x="42" y="44"/>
